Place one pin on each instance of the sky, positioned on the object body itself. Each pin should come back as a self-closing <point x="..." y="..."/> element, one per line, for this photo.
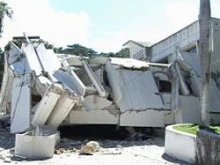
<point x="103" y="25"/>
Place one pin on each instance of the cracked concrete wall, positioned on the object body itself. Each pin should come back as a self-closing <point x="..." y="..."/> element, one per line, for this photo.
<point x="207" y="148"/>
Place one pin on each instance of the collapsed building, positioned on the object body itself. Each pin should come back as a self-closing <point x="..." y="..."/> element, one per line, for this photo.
<point x="157" y="86"/>
<point x="182" y="47"/>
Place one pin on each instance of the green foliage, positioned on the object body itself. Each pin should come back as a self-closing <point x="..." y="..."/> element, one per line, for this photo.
<point x="110" y="54"/>
<point x="4" y="10"/>
<point x="193" y="128"/>
<point x="79" y="50"/>
<point x="58" y="50"/>
<point x="123" y="53"/>
<point x="18" y="42"/>
<point x="46" y="44"/>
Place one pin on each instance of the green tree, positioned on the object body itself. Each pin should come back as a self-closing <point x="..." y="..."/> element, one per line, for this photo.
<point x="124" y="53"/>
<point x="79" y="50"/>
<point x="58" y="50"/>
<point x="46" y="44"/>
<point x="4" y="11"/>
<point x="19" y="40"/>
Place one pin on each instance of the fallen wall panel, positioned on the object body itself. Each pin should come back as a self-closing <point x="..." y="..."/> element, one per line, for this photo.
<point x="21" y="106"/>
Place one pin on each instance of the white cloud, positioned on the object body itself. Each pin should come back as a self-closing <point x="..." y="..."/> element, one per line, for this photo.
<point x="37" y="17"/>
<point x="181" y="13"/>
<point x="110" y="41"/>
<point x="176" y="15"/>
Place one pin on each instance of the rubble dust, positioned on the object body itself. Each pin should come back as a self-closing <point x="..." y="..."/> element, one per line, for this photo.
<point x="105" y="150"/>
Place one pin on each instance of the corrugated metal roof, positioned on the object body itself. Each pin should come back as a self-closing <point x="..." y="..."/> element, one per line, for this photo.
<point x="138" y="90"/>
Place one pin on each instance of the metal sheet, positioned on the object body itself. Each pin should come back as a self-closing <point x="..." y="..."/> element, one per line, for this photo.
<point x="138" y="89"/>
<point x="21" y="105"/>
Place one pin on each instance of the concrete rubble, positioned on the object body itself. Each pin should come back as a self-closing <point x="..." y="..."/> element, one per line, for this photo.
<point x="90" y="148"/>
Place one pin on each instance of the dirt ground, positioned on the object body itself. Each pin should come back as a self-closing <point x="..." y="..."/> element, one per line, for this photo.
<point x="124" y="151"/>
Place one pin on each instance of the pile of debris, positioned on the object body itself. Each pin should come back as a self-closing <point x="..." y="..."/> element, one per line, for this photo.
<point x="42" y="89"/>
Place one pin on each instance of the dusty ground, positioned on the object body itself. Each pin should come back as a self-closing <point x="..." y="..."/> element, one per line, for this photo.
<point x="148" y="150"/>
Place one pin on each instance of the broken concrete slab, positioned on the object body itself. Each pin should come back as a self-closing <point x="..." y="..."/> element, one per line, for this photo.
<point x="94" y="102"/>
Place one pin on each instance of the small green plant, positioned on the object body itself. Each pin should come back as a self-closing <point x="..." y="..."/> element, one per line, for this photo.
<point x="193" y="128"/>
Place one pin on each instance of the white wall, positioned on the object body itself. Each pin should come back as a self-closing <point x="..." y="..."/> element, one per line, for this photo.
<point x="184" y="38"/>
<point x="136" y="50"/>
<point x="189" y="110"/>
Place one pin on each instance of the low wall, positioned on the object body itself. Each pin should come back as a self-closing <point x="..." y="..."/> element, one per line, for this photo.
<point x="180" y="145"/>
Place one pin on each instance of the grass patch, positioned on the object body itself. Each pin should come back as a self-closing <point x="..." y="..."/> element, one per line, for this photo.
<point x="193" y="128"/>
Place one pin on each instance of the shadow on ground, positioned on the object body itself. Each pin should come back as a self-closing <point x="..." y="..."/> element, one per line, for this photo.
<point x="109" y="136"/>
<point x="7" y="140"/>
<point x="168" y="158"/>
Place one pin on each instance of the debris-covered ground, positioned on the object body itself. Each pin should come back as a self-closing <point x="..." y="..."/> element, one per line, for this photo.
<point x="101" y="150"/>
